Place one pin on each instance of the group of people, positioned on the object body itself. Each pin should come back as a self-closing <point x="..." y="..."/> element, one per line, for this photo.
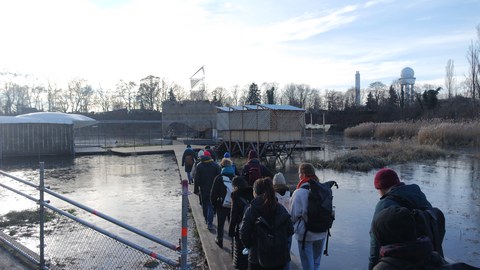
<point x="254" y="194"/>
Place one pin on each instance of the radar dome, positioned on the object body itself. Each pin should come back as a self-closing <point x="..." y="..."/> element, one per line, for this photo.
<point x="407" y="73"/>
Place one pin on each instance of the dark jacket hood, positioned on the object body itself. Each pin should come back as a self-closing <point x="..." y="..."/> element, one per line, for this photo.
<point x="411" y="194"/>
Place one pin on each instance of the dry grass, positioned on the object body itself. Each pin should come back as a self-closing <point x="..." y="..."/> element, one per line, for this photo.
<point x="378" y="155"/>
<point x="437" y="132"/>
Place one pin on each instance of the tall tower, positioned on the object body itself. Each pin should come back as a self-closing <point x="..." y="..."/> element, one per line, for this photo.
<point x="407" y="83"/>
<point x="357" y="89"/>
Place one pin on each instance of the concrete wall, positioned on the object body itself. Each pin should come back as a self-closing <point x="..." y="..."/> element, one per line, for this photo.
<point x="33" y="139"/>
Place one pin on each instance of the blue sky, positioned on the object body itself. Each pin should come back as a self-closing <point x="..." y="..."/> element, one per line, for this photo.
<point x="320" y="43"/>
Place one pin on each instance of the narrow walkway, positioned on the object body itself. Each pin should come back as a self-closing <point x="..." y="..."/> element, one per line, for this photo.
<point x="217" y="258"/>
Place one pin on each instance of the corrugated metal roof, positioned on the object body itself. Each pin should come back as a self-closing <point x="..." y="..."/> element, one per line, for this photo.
<point x="281" y="107"/>
<point x="261" y="107"/>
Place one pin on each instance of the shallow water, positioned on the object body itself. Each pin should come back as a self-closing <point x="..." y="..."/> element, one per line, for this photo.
<point x="451" y="184"/>
<point x="144" y="191"/>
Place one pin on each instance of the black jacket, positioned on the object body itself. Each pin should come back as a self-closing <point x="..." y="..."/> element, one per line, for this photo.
<point x="238" y="206"/>
<point x="219" y="190"/>
<point x="247" y="227"/>
<point x="205" y="173"/>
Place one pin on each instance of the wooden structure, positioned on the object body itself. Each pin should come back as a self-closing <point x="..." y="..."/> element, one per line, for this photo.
<point x="269" y="129"/>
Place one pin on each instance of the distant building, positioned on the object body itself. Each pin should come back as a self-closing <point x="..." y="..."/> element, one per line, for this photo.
<point x="357" y="88"/>
<point x="40" y="134"/>
<point x="264" y="127"/>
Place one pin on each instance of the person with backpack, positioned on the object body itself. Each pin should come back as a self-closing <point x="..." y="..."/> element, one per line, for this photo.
<point x="220" y="197"/>
<point x="205" y="173"/>
<point x="283" y="195"/>
<point x="242" y="195"/>
<point x="228" y="156"/>
<point x="395" y="230"/>
<point x="254" y="170"/>
<point x="310" y="243"/>
<point x="282" y="191"/>
<point x="395" y="193"/>
<point x="188" y="160"/>
<point x="265" y="229"/>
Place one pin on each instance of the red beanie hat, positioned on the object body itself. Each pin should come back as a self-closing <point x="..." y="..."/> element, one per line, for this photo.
<point x="385" y="178"/>
<point x="207" y="153"/>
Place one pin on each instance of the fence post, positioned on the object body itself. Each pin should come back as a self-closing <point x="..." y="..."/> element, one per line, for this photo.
<point x="184" y="249"/>
<point x="42" y="216"/>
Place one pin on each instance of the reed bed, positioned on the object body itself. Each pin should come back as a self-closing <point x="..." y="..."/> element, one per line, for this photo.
<point x="378" y="155"/>
<point x="437" y="132"/>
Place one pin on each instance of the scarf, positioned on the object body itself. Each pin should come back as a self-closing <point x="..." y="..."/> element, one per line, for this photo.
<point x="303" y="181"/>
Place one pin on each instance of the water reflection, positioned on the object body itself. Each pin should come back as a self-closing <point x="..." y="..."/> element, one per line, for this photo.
<point x="144" y="192"/>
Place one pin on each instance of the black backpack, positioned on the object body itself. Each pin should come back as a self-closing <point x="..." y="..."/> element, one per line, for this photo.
<point x="320" y="213"/>
<point x="428" y="222"/>
<point x="272" y="241"/>
<point x="254" y="173"/>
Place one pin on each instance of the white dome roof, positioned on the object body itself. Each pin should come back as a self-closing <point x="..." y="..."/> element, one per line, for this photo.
<point x="77" y="120"/>
<point x="407" y="73"/>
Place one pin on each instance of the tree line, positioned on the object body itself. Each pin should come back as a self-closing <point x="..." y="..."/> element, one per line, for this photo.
<point x="23" y="94"/>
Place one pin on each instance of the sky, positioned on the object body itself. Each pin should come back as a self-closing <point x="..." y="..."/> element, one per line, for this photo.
<point x="316" y="42"/>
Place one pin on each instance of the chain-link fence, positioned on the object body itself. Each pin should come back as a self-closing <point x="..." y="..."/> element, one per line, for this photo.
<point x="70" y="242"/>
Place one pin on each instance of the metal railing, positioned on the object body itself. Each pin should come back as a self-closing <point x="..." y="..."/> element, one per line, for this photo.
<point x="74" y="243"/>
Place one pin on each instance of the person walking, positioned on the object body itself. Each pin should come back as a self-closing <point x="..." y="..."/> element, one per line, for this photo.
<point x="282" y="191"/>
<point x="393" y="193"/>
<point x="188" y="160"/>
<point x="228" y="156"/>
<point x="310" y="244"/>
<point x="263" y="218"/>
<point x="205" y="173"/>
<point x="254" y="170"/>
<point x="221" y="197"/>
<point x="242" y="195"/>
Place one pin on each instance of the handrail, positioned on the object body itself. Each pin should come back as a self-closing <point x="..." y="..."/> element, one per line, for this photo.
<point x="114" y="221"/>
<point x="43" y="203"/>
<point x="113" y="236"/>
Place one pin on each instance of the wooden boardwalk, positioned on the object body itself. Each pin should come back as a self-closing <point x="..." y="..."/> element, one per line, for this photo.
<point x="217" y="258"/>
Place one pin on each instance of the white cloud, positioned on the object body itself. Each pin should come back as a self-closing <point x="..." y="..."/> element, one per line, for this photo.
<point x="319" y="46"/>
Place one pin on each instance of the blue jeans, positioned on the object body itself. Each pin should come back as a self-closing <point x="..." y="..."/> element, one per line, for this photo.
<point x="189" y="176"/>
<point x="207" y="208"/>
<point x="311" y="255"/>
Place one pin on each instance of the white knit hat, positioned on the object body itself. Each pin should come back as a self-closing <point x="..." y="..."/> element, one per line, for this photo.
<point x="279" y="179"/>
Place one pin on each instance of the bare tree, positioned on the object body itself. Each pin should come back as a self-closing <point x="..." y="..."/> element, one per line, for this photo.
<point x="219" y="96"/>
<point x="378" y="90"/>
<point x="104" y="98"/>
<point x="53" y="96"/>
<point x="349" y="98"/>
<point x="450" y="78"/>
<point x="313" y="101"/>
<point x="473" y="77"/>
<point x="297" y="94"/>
<point x="334" y="100"/>
<point x="126" y="92"/>
<point x="148" y="92"/>
<point x="179" y="91"/>
<point x="37" y="97"/>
